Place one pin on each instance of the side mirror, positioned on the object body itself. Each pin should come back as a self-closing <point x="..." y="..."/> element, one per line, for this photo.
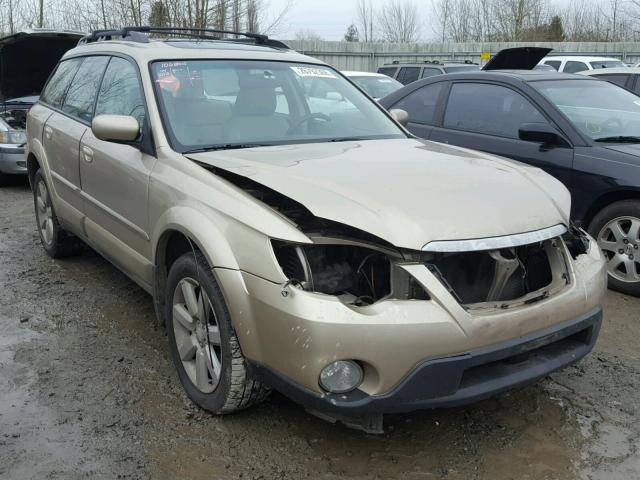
<point x="541" y="133"/>
<point x="115" y="128"/>
<point x="400" y="116"/>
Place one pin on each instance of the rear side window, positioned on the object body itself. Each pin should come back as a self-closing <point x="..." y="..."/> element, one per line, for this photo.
<point x="619" y="79"/>
<point x="430" y="72"/>
<point x="53" y="93"/>
<point x="489" y="109"/>
<point x="573" y="67"/>
<point x="421" y="104"/>
<point x="553" y="63"/>
<point x="388" y="71"/>
<point x="408" y="75"/>
<point x="81" y="96"/>
<point x="120" y="93"/>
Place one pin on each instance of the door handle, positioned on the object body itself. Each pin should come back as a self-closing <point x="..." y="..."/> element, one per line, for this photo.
<point x="87" y="154"/>
<point x="48" y="132"/>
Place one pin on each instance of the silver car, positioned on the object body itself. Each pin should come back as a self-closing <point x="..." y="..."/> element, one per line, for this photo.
<point x="323" y="252"/>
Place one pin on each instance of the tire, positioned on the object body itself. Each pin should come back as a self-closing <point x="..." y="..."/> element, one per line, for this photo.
<point x="616" y="228"/>
<point x="192" y="296"/>
<point x="57" y="242"/>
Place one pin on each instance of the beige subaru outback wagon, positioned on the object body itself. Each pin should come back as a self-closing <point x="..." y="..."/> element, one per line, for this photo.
<point x="294" y="236"/>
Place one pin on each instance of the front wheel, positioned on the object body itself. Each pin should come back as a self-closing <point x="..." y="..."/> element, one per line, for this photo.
<point x="617" y="231"/>
<point x="203" y="343"/>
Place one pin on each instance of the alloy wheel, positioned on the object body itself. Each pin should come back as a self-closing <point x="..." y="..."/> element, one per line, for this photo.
<point x="619" y="240"/>
<point x="197" y="335"/>
<point x="44" y="213"/>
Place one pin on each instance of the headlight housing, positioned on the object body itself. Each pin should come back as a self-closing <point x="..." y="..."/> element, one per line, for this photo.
<point x="359" y="274"/>
<point x="13" y="137"/>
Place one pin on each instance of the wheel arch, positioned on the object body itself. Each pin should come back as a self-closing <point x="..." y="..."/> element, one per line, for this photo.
<point x="184" y="230"/>
<point x="607" y="199"/>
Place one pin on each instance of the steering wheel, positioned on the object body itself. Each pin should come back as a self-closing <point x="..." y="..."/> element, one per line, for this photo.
<point x="305" y="119"/>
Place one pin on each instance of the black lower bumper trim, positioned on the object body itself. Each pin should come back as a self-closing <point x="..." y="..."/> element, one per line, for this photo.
<point x="459" y="379"/>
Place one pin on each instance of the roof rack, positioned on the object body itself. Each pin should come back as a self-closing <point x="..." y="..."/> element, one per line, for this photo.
<point x="433" y="62"/>
<point x="137" y="34"/>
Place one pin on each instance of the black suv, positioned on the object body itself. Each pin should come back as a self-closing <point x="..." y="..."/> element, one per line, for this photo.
<point x="409" y="72"/>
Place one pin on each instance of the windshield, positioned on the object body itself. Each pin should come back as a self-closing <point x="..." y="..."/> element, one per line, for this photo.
<point x="607" y="64"/>
<point x="377" y="87"/>
<point x="462" y="68"/>
<point x="599" y="109"/>
<point x="216" y="104"/>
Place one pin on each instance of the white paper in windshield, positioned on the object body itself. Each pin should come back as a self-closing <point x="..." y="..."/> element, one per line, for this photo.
<point x="313" y="72"/>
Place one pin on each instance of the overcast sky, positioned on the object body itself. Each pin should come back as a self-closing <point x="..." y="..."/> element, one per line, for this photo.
<point x="328" y="18"/>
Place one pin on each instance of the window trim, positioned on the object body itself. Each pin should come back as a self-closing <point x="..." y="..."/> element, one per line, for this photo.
<point x="147" y="142"/>
<point x="500" y="84"/>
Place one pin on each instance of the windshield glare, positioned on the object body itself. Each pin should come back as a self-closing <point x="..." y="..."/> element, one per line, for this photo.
<point x="377" y="87"/>
<point x="221" y="104"/>
<point x="599" y="109"/>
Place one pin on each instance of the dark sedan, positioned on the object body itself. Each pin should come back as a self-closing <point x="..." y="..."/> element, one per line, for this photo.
<point x="584" y="131"/>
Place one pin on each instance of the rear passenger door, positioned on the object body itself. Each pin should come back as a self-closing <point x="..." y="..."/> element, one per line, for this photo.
<point x="487" y="117"/>
<point x="70" y="94"/>
<point x="115" y="177"/>
<point x="422" y="105"/>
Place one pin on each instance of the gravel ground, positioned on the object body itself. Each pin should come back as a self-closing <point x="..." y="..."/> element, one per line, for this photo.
<point x="87" y="390"/>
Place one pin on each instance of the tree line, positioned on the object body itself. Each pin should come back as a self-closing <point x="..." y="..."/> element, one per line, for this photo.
<point x="496" y="21"/>
<point x="88" y="15"/>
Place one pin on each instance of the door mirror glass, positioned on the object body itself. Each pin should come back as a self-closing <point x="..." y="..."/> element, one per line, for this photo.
<point x="400" y="116"/>
<point x="541" y="133"/>
<point x="115" y="128"/>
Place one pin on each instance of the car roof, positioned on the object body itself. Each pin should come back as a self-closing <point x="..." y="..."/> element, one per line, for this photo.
<point x="515" y="75"/>
<point x="436" y="63"/>
<point x="579" y="58"/>
<point x="177" y="49"/>
<point x="350" y="73"/>
<point x="604" y="71"/>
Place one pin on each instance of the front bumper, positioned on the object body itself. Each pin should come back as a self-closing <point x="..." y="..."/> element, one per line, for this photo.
<point x="460" y="379"/>
<point x="13" y="160"/>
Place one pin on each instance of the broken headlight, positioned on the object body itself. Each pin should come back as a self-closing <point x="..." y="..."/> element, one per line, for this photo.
<point x="360" y="275"/>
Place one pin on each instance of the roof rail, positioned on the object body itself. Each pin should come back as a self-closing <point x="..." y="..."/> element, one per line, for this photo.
<point x="137" y="34"/>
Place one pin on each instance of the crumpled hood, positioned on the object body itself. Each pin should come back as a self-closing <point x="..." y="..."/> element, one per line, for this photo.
<point x="407" y="192"/>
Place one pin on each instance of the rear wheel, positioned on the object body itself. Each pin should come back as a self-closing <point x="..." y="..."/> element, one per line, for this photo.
<point x="617" y="231"/>
<point x="56" y="241"/>
<point x="203" y="343"/>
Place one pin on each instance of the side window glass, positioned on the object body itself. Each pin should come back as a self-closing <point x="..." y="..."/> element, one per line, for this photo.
<point x="120" y="93"/>
<point x="81" y="96"/>
<point x="430" y="72"/>
<point x="553" y="63"/>
<point x="389" y="71"/>
<point x="408" y="75"/>
<point x="573" y="67"/>
<point x="53" y="93"/>
<point x="471" y="104"/>
<point x="421" y="104"/>
<point x="620" y="80"/>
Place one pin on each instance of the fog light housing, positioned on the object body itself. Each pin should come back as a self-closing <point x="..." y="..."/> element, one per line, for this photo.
<point x="341" y="377"/>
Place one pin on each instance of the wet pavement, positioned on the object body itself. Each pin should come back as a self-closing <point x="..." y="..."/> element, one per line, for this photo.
<point x="87" y="390"/>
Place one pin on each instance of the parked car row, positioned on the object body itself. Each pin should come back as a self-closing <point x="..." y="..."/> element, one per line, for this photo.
<point x="584" y="132"/>
<point x="293" y="235"/>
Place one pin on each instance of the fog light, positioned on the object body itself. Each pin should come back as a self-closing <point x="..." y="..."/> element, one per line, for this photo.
<point x="341" y="376"/>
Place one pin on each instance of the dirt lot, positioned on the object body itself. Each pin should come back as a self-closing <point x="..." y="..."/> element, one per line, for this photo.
<point x="87" y="390"/>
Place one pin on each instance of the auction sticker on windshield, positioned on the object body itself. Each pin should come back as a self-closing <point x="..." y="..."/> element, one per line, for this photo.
<point x="313" y="72"/>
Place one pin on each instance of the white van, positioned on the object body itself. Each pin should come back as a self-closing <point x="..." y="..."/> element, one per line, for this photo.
<point x="574" y="64"/>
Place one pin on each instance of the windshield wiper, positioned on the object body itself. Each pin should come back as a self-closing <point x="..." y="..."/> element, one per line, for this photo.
<point x="346" y="139"/>
<point x="228" y="146"/>
<point x="619" y="139"/>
